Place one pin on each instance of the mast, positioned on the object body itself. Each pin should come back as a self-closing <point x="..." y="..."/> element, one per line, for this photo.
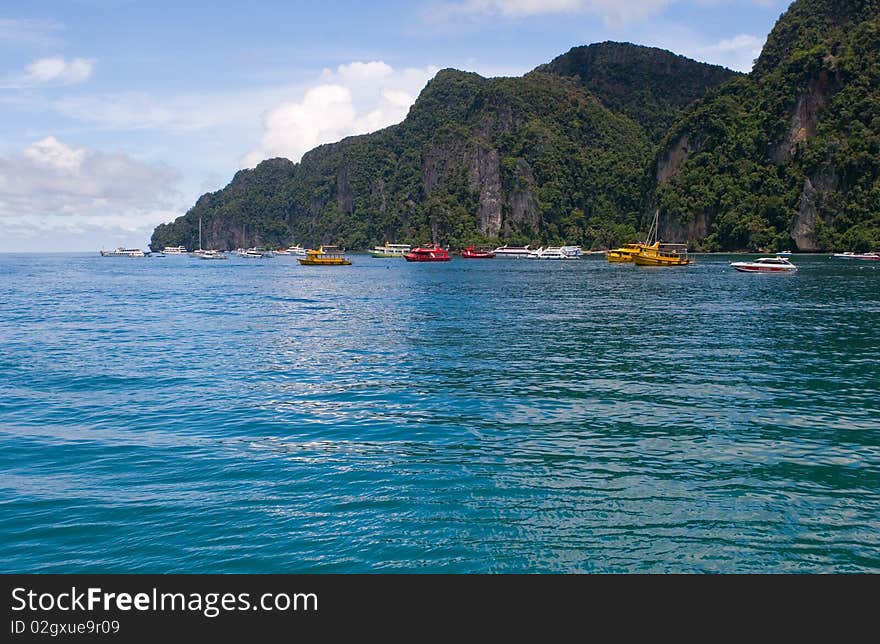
<point x="200" y="233"/>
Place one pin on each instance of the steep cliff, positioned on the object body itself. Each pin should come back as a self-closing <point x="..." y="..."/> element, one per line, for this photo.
<point x="789" y="155"/>
<point x="539" y="158"/>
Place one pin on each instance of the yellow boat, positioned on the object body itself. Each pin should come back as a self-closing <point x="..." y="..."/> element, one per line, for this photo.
<point x="324" y="256"/>
<point x="662" y="255"/>
<point x="656" y="253"/>
<point x="623" y="254"/>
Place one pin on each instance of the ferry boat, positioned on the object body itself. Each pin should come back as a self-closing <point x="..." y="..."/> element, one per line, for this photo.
<point x="656" y="253"/>
<point x="174" y="250"/>
<point x="123" y="252"/>
<point x="324" y="256"/>
<point x="431" y="254"/>
<point x="513" y="252"/>
<point x="471" y="253"/>
<point x="297" y="250"/>
<point x="551" y="252"/>
<point x="864" y="256"/>
<point x="390" y="251"/>
<point x="572" y="252"/>
<point x="765" y="265"/>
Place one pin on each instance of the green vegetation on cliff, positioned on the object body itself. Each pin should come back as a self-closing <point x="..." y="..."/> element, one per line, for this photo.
<point x="538" y="159"/>
<point x="791" y="153"/>
<point x="585" y="148"/>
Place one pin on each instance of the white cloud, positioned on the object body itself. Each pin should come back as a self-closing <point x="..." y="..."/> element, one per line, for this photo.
<point x="612" y="12"/>
<point x="356" y="98"/>
<point x="51" y="186"/>
<point x="59" y="71"/>
<point x="736" y="53"/>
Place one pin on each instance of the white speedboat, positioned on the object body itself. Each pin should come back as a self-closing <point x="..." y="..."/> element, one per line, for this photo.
<point x="765" y="265"/>
<point x="174" y="250"/>
<point x="863" y="256"/>
<point x="513" y="252"/>
<point x="551" y="252"/>
<point x="123" y="252"/>
<point x="572" y="252"/>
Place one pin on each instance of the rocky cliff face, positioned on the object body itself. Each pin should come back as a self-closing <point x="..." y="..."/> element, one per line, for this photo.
<point x="789" y="154"/>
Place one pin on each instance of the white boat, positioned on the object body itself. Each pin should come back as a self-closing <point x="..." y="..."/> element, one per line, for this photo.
<point x="206" y="253"/>
<point x="551" y="252"/>
<point x="863" y="256"/>
<point x="572" y="252"/>
<point x="297" y="250"/>
<point x="123" y="252"/>
<point x="252" y="253"/>
<point x="765" y="265"/>
<point x="390" y="250"/>
<point x="174" y="250"/>
<point x="512" y="252"/>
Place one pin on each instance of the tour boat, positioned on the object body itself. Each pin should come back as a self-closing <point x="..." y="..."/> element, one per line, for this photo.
<point x="174" y="250"/>
<point x="324" y="256"/>
<point x="851" y="255"/>
<point x="431" y="254"/>
<point x="512" y="252"/>
<point x="297" y="250"/>
<point x="390" y="251"/>
<point x="765" y="265"/>
<point x="471" y="253"/>
<point x="551" y="252"/>
<point x="123" y="252"/>
<point x="572" y="252"/>
<point x="656" y="253"/>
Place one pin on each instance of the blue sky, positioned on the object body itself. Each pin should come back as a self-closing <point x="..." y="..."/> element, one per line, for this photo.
<point x="118" y="114"/>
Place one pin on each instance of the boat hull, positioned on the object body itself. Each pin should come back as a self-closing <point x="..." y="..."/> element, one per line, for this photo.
<point x="419" y="258"/>
<point x="659" y="260"/>
<point x="327" y="261"/>
<point x="763" y="269"/>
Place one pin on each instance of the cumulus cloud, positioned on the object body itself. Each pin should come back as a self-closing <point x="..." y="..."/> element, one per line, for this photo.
<point x="356" y="98"/>
<point x="51" y="185"/>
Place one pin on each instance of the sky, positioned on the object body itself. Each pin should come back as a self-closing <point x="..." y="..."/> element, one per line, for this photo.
<point x="115" y="115"/>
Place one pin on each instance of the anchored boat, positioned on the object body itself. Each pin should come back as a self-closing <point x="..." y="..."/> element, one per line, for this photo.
<point x="512" y="252"/>
<point x="765" y="265"/>
<point x="656" y="253"/>
<point x="862" y="256"/>
<point x="471" y="253"/>
<point x="390" y="251"/>
<point x="431" y="254"/>
<point x="324" y="256"/>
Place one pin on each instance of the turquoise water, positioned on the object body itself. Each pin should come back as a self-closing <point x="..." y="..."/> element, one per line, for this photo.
<point x="176" y="415"/>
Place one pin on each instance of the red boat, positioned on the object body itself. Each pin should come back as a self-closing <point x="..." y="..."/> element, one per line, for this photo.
<point x="433" y="254"/>
<point x="471" y="253"/>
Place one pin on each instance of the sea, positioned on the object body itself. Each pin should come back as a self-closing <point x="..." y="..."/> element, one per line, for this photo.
<point x="176" y="415"/>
